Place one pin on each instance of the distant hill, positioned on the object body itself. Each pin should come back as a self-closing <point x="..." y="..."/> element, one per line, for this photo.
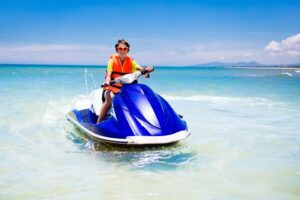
<point x="294" y="65"/>
<point x="235" y="64"/>
<point x="243" y="64"/>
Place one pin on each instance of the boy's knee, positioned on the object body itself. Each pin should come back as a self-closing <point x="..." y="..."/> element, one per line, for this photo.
<point x="109" y="96"/>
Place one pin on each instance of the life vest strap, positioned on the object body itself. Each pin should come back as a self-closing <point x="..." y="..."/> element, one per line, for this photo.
<point x="118" y="73"/>
<point x="117" y="86"/>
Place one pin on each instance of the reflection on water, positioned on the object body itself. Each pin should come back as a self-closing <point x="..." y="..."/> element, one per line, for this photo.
<point x="168" y="157"/>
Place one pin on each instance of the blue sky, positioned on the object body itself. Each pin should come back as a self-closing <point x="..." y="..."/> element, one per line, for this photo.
<point x="160" y="32"/>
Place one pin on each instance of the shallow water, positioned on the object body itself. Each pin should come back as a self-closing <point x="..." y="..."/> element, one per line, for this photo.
<point x="245" y="126"/>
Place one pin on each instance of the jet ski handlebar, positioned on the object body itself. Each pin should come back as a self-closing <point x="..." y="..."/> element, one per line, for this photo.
<point x="129" y="78"/>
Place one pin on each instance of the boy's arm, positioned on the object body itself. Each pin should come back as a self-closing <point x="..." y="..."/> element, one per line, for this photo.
<point x="109" y="71"/>
<point x="139" y="68"/>
<point x="108" y="77"/>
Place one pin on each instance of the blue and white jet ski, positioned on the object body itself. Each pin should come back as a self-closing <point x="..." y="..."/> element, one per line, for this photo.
<point x="138" y="116"/>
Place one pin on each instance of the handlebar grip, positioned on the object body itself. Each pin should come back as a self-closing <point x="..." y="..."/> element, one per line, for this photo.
<point x="110" y="83"/>
<point x="145" y="71"/>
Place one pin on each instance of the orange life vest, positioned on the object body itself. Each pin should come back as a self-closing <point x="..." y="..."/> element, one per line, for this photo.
<point x="118" y="70"/>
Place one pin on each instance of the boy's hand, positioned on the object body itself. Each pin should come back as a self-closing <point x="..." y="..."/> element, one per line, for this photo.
<point x="148" y="70"/>
<point x="105" y="84"/>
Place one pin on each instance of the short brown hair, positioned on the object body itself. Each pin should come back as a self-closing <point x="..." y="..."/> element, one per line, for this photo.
<point x="122" y="41"/>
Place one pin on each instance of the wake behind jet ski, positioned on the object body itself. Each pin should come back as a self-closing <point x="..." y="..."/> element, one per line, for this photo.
<point x="138" y="116"/>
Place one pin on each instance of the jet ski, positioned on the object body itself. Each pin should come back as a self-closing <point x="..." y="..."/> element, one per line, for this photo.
<point x="138" y="116"/>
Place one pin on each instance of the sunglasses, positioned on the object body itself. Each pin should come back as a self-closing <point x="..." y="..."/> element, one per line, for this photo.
<point x="120" y="48"/>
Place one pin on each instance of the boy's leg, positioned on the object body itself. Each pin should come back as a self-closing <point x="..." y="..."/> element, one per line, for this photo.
<point x="106" y="105"/>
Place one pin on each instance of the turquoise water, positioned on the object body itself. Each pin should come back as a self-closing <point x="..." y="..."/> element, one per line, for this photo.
<point x="245" y="141"/>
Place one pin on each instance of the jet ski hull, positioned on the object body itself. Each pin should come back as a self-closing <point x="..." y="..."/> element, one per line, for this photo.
<point x="138" y="117"/>
<point x="130" y="140"/>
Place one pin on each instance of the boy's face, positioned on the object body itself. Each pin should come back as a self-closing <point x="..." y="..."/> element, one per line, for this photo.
<point x="122" y="49"/>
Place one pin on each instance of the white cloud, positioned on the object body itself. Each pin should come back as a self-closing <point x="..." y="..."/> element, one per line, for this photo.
<point x="273" y="46"/>
<point x="182" y="54"/>
<point x="289" y="46"/>
<point x="54" y="54"/>
<point x="148" y="52"/>
<point x="247" y="55"/>
<point x="222" y="58"/>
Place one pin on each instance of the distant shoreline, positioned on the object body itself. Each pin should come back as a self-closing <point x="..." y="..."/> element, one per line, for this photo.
<point x="264" y="67"/>
<point x="187" y="67"/>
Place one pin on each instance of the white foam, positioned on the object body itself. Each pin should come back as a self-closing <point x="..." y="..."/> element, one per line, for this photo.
<point x="221" y="99"/>
<point x="297" y="71"/>
<point x="50" y="117"/>
<point x="82" y="104"/>
<point x="287" y="73"/>
<point x="56" y="109"/>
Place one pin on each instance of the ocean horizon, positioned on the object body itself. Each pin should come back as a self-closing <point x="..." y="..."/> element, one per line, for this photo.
<point x="278" y="66"/>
